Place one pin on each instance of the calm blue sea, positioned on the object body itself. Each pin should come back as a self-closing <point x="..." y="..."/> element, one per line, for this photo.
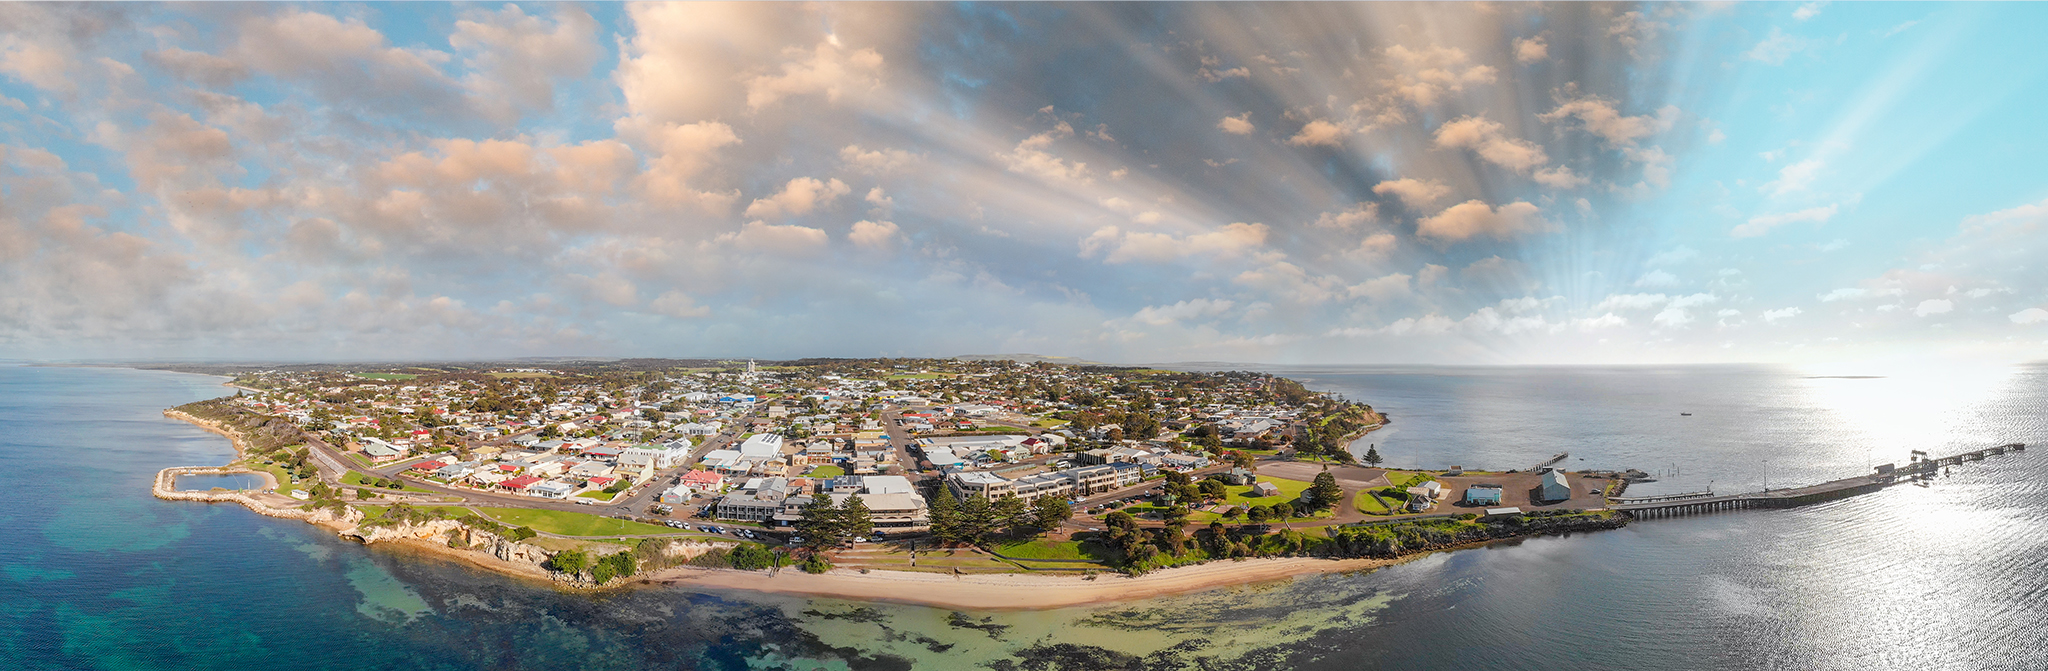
<point x="96" y="574"/>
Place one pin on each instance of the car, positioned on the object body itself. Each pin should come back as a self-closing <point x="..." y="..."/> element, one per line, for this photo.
<point x="860" y="539"/>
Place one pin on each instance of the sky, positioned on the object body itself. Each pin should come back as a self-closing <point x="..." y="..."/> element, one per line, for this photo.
<point x="1500" y="183"/>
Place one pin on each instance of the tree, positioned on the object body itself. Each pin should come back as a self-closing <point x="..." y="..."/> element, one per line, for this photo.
<point x="821" y="524"/>
<point x="975" y="520"/>
<point x="1214" y="489"/>
<point x="945" y="514"/>
<point x="1324" y="493"/>
<point x="1258" y="514"/>
<point x="1176" y="538"/>
<point x="1009" y="513"/>
<point x="1049" y="512"/>
<point x="1372" y="455"/>
<point x="854" y="517"/>
<point x="1244" y="460"/>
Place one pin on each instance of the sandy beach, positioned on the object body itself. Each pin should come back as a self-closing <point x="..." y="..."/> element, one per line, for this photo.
<point x="1012" y="591"/>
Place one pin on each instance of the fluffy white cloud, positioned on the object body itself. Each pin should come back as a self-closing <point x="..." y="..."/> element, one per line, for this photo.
<point x="1532" y="49"/>
<point x="1351" y="218"/>
<point x="1490" y="141"/>
<point x="1319" y="132"/>
<point x="1119" y="246"/>
<point x="1794" y="177"/>
<point x="675" y="303"/>
<point x="1657" y="278"/>
<point x="1237" y="125"/>
<point x="1759" y="225"/>
<point x="1631" y="302"/>
<point x="1775" y="316"/>
<point x="873" y="234"/>
<point x="1424" y="75"/>
<point x="1414" y="193"/>
<point x="875" y="161"/>
<point x="1934" y="306"/>
<point x="1474" y="218"/>
<point x="1599" y="117"/>
<point x="515" y="58"/>
<point x="799" y="197"/>
<point x="784" y="240"/>
<point x="1161" y="315"/>
<point x="2029" y="316"/>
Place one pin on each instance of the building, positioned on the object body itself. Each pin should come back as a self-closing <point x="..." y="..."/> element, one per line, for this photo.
<point x="1554" y="487"/>
<point x="703" y="480"/>
<point x="379" y="451"/>
<point x="550" y="489"/>
<point x="677" y="495"/>
<point x="758" y="501"/>
<point x="761" y="446"/>
<point x="1482" y="495"/>
<point x="1266" y="489"/>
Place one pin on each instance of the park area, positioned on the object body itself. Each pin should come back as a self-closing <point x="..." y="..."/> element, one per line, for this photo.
<point x="566" y="523"/>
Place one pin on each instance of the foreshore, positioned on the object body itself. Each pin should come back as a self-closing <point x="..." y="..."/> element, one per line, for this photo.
<point x="941" y="590"/>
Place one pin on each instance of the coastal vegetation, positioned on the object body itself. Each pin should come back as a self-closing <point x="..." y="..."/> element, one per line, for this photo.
<point x="566" y="523"/>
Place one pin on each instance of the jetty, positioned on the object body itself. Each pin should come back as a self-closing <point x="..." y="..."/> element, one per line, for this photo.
<point x="1695" y="503"/>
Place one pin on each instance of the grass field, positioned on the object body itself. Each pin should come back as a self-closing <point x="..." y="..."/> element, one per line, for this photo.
<point x="1365" y="503"/>
<point x="355" y="478"/>
<point x="598" y="494"/>
<point x="388" y="377"/>
<point x="827" y="471"/>
<point x="1048" y="549"/>
<point x="570" y="524"/>
<point x="1240" y="495"/>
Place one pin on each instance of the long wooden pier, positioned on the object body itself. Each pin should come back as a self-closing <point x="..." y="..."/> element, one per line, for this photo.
<point x="1693" y="503"/>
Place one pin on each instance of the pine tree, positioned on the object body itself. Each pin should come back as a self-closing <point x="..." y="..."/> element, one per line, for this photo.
<point x="854" y="517"/>
<point x="1372" y="455"/>
<point x="821" y="525"/>
<point x="1324" y="492"/>
<point x="945" y="515"/>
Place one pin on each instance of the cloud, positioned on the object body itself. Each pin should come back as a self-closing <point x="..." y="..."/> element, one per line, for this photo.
<point x="875" y="161"/>
<point x="514" y="58"/>
<point x="2029" y="316"/>
<point x="799" y="197"/>
<point x="1414" y="193"/>
<point x="1161" y="315"/>
<point x="1236" y="125"/>
<point x="1759" y="225"/>
<point x="1605" y="321"/>
<point x="1599" y="117"/>
<point x="1381" y="289"/>
<point x="1474" y="218"/>
<point x="675" y="303"/>
<point x="1488" y="139"/>
<point x="1559" y="177"/>
<point x="350" y="63"/>
<point x="1934" y="306"/>
<point x="1423" y="75"/>
<point x="873" y="234"/>
<point x="1775" y="49"/>
<point x="1775" y="316"/>
<point x="1531" y="49"/>
<point x="1319" y="132"/>
<point x="1031" y="158"/>
<point x="829" y="70"/>
<point x="1351" y="218"/>
<point x="1657" y="278"/>
<point x="1794" y="177"/>
<point x="1808" y="10"/>
<point x="1677" y="314"/>
<point x="784" y="240"/>
<point x="1118" y="246"/>
<point x="1626" y="302"/>
<point x="1675" y="256"/>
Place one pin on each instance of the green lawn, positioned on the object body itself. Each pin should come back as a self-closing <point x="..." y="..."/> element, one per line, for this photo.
<point x="1240" y="495"/>
<point x="598" y="494"/>
<point x="570" y="524"/>
<point x="355" y="478"/>
<point x="388" y="376"/>
<point x="1367" y="504"/>
<point x="1045" y="549"/>
<point x="284" y="477"/>
<point x="827" y="471"/>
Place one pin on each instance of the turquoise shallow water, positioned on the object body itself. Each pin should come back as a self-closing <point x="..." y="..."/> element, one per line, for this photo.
<point x="96" y="574"/>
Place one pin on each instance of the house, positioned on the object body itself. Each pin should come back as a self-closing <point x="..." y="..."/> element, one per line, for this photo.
<point x="703" y="480"/>
<point x="1183" y="462"/>
<point x="677" y="495"/>
<point x="1419" y="498"/>
<point x="1265" y="489"/>
<point x="1554" y="487"/>
<point x="379" y="451"/>
<point x="550" y="489"/>
<point x="1482" y="495"/>
<point x="519" y="484"/>
<point x="1238" y="476"/>
<point x="428" y="465"/>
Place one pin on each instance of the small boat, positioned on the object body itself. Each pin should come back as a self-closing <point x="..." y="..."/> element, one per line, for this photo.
<point x="1685" y="414"/>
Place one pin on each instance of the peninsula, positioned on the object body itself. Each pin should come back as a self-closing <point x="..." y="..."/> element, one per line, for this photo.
<point x="1012" y="484"/>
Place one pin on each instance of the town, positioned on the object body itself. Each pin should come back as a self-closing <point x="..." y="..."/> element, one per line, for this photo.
<point x="898" y="464"/>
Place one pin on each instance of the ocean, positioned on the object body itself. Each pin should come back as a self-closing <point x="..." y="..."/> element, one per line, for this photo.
<point x="97" y="574"/>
